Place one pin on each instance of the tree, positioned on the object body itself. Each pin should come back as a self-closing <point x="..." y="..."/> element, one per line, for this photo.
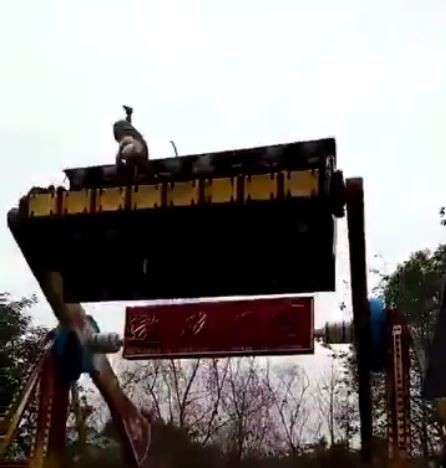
<point x="208" y="419"/>
<point x="19" y="342"/>
<point x="184" y="393"/>
<point x="289" y="390"/>
<point x="336" y="398"/>
<point x="19" y="346"/>
<point x="414" y="289"/>
<point x="247" y="409"/>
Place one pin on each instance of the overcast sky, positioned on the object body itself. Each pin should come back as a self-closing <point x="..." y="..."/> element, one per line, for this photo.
<point x="215" y="75"/>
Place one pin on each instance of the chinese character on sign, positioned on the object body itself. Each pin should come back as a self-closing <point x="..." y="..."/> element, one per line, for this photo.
<point x="144" y="327"/>
<point x="194" y="325"/>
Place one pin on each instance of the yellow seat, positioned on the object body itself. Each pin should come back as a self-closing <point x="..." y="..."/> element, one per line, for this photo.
<point x="182" y="193"/>
<point x="145" y="196"/>
<point x="110" y="199"/>
<point x="303" y="184"/>
<point x="220" y="190"/>
<point x="260" y="187"/>
<point x="42" y="204"/>
<point x="76" y="202"/>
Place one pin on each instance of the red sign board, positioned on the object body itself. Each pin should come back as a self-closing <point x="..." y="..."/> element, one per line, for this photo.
<point x="215" y="329"/>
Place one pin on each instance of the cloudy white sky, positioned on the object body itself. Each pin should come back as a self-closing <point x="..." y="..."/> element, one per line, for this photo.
<point x="215" y="75"/>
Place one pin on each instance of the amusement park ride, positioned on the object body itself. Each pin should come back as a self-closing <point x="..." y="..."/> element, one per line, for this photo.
<point x="252" y="222"/>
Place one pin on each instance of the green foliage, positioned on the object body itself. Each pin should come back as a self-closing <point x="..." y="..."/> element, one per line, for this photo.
<point x="19" y="341"/>
<point x="414" y="290"/>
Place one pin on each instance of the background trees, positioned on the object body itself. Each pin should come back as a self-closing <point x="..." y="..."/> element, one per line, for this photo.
<point x="19" y="344"/>
<point x="252" y="408"/>
<point x="414" y="289"/>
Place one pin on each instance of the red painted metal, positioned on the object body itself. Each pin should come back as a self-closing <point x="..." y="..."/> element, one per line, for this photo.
<point x="224" y="328"/>
<point x="59" y="415"/>
<point x="49" y="435"/>
<point x="133" y="425"/>
<point x="398" y="388"/>
<point x="45" y="395"/>
<point x="49" y="441"/>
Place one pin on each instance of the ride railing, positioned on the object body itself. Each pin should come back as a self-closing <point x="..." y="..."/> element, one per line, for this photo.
<point x="11" y="416"/>
<point x="284" y="185"/>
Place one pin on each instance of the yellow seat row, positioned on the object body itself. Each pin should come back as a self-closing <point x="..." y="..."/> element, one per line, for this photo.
<point x="292" y="184"/>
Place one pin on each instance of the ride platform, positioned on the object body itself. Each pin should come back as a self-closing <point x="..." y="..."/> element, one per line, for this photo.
<point x="247" y="222"/>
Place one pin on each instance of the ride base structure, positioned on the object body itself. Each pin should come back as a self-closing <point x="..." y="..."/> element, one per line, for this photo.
<point x="252" y="222"/>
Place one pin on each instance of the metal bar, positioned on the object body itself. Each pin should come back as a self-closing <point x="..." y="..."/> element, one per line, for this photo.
<point x="361" y="316"/>
<point x="48" y="449"/>
<point x="133" y="426"/>
<point x="39" y="449"/>
<point x="398" y="390"/>
<point x="9" y="423"/>
<point x="58" y="419"/>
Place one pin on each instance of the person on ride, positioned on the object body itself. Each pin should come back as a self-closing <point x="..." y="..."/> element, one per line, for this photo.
<point x="133" y="148"/>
